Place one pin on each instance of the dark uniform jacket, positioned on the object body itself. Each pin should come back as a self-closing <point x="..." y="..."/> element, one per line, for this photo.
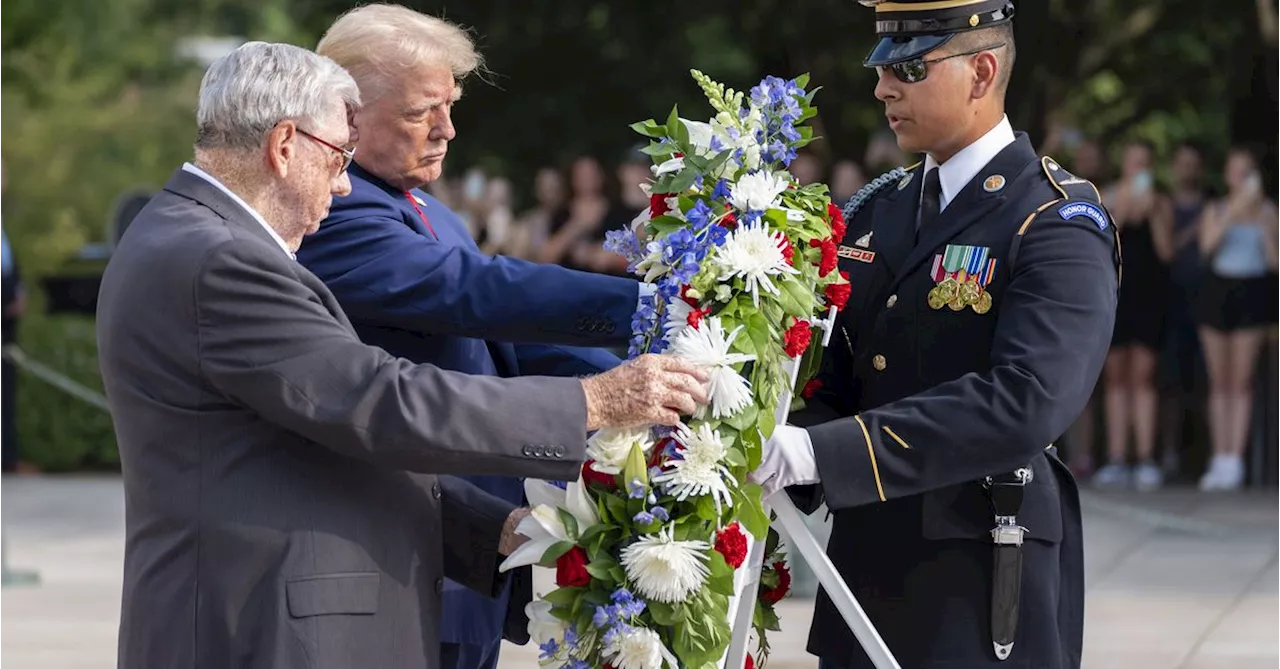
<point x="954" y="361"/>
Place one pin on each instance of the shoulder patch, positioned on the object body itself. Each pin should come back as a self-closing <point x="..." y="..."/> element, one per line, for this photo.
<point x="1087" y="209"/>
<point x="874" y="186"/>
<point x="1069" y="185"/>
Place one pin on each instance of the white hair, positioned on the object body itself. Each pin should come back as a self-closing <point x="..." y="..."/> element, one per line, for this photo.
<point x="374" y="41"/>
<point x="247" y="92"/>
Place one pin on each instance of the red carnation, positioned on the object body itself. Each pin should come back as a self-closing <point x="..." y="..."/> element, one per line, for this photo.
<point x="788" y="252"/>
<point x="829" y="257"/>
<point x="658" y="205"/>
<point x="749" y="663"/>
<point x="571" y="569"/>
<point x="838" y="226"/>
<point x="774" y="595"/>
<point x="590" y="475"/>
<point x="838" y="293"/>
<point x="796" y="340"/>
<point x="695" y="317"/>
<point x="732" y="544"/>
<point x="813" y="386"/>
<point x="730" y="221"/>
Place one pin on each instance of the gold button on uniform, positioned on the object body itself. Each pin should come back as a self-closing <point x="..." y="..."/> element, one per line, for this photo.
<point x="878" y="363"/>
<point x="893" y="299"/>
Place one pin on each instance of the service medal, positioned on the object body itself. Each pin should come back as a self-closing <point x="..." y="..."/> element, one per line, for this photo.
<point x="957" y="302"/>
<point x="983" y="305"/>
<point x="936" y="300"/>
<point x="969" y="293"/>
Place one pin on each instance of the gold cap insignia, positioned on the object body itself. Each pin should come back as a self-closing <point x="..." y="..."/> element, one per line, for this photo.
<point x="993" y="183"/>
<point x="973" y="21"/>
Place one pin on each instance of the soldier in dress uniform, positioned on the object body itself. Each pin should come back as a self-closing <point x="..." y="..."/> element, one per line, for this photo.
<point x="984" y="287"/>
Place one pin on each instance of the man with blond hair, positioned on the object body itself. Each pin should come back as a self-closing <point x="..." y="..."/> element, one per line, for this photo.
<point x="282" y="508"/>
<point x="414" y="282"/>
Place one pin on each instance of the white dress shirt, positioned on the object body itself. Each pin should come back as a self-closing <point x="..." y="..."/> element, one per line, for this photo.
<point x="954" y="174"/>
<point x="188" y="167"/>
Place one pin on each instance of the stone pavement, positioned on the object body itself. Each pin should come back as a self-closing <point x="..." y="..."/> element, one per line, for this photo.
<point x="1176" y="580"/>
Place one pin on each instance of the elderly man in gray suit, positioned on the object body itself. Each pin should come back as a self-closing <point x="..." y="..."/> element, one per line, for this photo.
<point x="282" y="508"/>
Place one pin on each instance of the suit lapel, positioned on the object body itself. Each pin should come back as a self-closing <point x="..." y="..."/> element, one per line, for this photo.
<point x="984" y="192"/>
<point x="893" y="221"/>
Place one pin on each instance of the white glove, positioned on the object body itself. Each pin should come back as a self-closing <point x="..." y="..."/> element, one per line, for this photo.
<point x="787" y="460"/>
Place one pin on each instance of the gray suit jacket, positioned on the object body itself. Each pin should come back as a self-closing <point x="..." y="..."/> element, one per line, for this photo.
<point x="281" y="503"/>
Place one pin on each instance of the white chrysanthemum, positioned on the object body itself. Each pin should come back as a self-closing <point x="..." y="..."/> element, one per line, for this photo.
<point x="664" y="569"/>
<point x="641" y="649"/>
<point x="758" y="191"/>
<point x="677" y="315"/>
<point x="701" y="470"/>
<point x="611" y="446"/>
<point x="755" y="254"/>
<point x="707" y="347"/>
<point x="543" y="525"/>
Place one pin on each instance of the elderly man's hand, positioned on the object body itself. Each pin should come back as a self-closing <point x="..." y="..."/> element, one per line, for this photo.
<point x="651" y="389"/>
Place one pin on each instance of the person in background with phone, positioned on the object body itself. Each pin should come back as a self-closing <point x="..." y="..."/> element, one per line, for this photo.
<point x="1144" y="218"/>
<point x="1238" y="240"/>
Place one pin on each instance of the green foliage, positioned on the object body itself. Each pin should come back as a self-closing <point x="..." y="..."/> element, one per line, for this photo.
<point x="58" y="432"/>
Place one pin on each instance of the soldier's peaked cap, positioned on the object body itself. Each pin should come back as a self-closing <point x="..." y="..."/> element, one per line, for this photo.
<point x="912" y="28"/>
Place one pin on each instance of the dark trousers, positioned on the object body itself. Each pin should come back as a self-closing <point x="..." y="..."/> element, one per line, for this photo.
<point x="469" y="656"/>
<point x="8" y="393"/>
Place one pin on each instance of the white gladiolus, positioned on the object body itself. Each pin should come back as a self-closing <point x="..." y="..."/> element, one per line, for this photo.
<point x="664" y="569"/>
<point x="543" y="625"/>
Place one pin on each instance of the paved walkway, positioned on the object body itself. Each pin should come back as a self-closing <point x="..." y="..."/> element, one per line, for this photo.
<point x="1176" y="580"/>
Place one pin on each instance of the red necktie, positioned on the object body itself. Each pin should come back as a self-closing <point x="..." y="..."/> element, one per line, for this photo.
<point x="414" y="201"/>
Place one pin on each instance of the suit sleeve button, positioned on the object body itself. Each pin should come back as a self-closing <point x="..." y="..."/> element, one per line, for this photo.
<point x="893" y="299"/>
<point x="879" y="363"/>
<point x="435" y="490"/>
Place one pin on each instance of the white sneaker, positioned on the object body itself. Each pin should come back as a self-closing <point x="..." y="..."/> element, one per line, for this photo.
<point x="1112" y="476"/>
<point x="1147" y="477"/>
<point x="1226" y="472"/>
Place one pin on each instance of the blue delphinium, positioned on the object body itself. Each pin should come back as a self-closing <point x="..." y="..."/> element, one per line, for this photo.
<point x="636" y="489"/>
<point x="642" y="518"/>
<point x="660" y="513"/>
<point x="549" y="649"/>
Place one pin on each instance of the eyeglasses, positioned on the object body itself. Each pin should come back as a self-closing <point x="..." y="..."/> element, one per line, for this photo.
<point x="917" y="69"/>
<point x="348" y="155"/>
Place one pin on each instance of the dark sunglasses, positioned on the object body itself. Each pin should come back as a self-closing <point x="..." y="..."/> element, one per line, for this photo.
<point x="917" y="69"/>
<point x="348" y="155"/>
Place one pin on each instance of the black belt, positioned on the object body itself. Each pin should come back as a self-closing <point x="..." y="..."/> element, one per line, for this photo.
<point x="1005" y="492"/>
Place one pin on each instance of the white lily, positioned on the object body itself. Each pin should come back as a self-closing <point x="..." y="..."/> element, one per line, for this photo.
<point x="543" y="526"/>
<point x="669" y="166"/>
<point x="542" y="624"/>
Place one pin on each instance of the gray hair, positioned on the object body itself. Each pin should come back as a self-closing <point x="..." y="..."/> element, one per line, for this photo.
<point x="247" y="92"/>
<point x="375" y="41"/>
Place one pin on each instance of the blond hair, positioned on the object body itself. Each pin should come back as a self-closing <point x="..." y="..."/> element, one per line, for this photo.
<point x="374" y="41"/>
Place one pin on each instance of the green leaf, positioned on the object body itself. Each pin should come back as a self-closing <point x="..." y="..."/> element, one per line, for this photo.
<point x="802" y="299"/>
<point x="802" y="80"/>
<point x="554" y="551"/>
<point x="599" y="572"/>
<point x="760" y="333"/>
<point x="680" y="181"/>
<point x="662" y="613"/>
<point x="751" y="514"/>
<point x="591" y="533"/>
<point x="753" y="446"/>
<point x="673" y="123"/>
<point x="649" y="128"/>
<point x="735" y="458"/>
<point x="656" y="150"/>
<point x="767" y="421"/>
<point x="706" y="508"/>
<point x="596" y="597"/>
<point x="570" y="523"/>
<point x="771" y="544"/>
<point x="563" y="596"/>
<point x="617" y="508"/>
<point x="743" y="419"/>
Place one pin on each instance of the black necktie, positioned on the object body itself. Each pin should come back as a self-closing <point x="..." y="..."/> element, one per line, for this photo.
<point x="930" y="201"/>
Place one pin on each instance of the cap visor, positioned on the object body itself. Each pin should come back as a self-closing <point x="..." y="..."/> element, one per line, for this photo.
<point x="891" y="50"/>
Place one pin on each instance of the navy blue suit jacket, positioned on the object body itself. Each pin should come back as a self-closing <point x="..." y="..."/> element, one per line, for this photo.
<point x="422" y="290"/>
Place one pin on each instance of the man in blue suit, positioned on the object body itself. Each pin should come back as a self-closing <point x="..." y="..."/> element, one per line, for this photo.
<point x="413" y="282"/>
